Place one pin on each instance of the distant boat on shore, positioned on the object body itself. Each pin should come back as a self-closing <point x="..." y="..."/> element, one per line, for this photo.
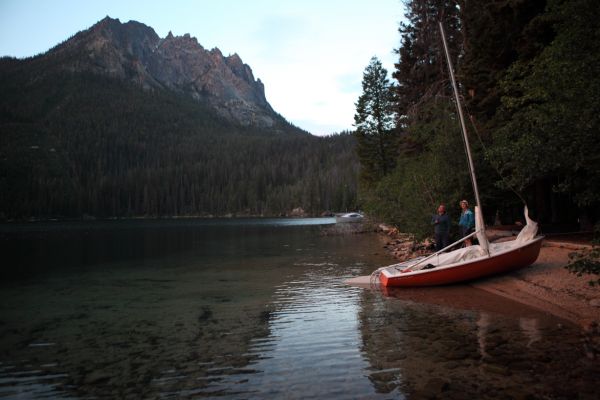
<point x="349" y="217"/>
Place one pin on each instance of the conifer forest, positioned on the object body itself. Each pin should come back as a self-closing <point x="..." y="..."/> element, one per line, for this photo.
<point x="76" y="144"/>
<point x="529" y="76"/>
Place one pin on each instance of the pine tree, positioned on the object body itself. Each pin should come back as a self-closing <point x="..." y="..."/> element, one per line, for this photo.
<point x="430" y="168"/>
<point x="546" y="135"/>
<point x="421" y="69"/>
<point x="374" y="122"/>
<point x="496" y="34"/>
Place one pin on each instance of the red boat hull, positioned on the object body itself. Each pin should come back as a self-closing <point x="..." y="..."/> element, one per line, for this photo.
<point x="497" y="264"/>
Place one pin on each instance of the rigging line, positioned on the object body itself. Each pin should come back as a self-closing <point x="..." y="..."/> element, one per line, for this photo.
<point x="461" y="117"/>
<point x="462" y="136"/>
<point x="485" y="150"/>
<point x="448" y="83"/>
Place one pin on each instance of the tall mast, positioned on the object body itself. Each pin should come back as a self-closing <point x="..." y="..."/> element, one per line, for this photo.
<point x="462" y="118"/>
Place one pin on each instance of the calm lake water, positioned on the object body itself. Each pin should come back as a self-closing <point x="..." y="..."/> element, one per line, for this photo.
<point x="257" y="309"/>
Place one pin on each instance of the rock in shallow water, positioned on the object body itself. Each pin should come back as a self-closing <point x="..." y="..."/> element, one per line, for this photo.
<point x="95" y="377"/>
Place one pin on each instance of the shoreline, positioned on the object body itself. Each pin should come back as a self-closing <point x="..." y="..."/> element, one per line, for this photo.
<point x="545" y="285"/>
<point x="548" y="286"/>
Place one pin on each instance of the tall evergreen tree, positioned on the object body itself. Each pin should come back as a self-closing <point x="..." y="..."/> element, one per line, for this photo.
<point x="430" y="168"/>
<point x="546" y="139"/>
<point x="374" y="121"/>
<point x="496" y="34"/>
<point x="421" y="69"/>
<point x="529" y="73"/>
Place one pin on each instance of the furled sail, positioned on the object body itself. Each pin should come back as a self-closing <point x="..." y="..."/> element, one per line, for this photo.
<point x="529" y="231"/>
<point x="480" y="229"/>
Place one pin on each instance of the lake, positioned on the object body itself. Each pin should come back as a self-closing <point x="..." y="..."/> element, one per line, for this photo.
<point x="257" y="309"/>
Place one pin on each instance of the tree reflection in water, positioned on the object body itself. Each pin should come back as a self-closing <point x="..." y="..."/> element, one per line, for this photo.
<point x="461" y="342"/>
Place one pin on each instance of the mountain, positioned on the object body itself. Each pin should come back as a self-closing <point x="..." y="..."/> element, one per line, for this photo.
<point x="117" y="122"/>
<point x="134" y="52"/>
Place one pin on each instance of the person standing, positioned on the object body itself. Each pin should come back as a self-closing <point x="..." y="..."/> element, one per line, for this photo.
<point x="441" y="223"/>
<point x="466" y="224"/>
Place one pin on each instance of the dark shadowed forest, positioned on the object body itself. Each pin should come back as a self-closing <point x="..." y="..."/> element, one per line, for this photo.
<point x="82" y="145"/>
<point x="76" y="143"/>
<point x="529" y="76"/>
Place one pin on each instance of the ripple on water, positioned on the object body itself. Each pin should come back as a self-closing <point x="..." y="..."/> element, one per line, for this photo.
<point x="196" y="318"/>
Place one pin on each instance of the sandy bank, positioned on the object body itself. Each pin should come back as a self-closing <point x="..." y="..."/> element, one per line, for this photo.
<point x="548" y="286"/>
<point x="545" y="285"/>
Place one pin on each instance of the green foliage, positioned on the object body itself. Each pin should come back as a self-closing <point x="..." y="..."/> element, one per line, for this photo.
<point x="495" y="35"/>
<point x="587" y="262"/>
<point x="420" y="72"/>
<point x="529" y="72"/>
<point x="374" y="121"/>
<point x="410" y="195"/>
<point x="431" y="167"/>
<point x="75" y="144"/>
<point x="548" y="123"/>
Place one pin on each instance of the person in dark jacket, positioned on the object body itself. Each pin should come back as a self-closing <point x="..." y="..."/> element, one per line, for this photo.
<point x="441" y="223"/>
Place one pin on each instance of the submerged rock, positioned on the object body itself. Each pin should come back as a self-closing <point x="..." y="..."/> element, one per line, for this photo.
<point x="96" y="377"/>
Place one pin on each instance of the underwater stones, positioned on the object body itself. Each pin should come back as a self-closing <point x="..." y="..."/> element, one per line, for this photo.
<point x="434" y="387"/>
<point x="456" y="354"/>
<point x="452" y="365"/>
<point x="96" y="377"/>
<point x="205" y="315"/>
<point x="496" y="369"/>
<point x="265" y="316"/>
<point x="395" y="356"/>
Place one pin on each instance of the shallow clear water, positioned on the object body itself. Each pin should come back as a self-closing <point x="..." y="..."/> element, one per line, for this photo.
<point x="257" y="309"/>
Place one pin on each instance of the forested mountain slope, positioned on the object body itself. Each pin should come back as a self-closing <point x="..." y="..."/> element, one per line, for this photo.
<point x="92" y="128"/>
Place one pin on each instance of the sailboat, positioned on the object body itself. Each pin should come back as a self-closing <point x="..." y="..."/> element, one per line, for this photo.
<point x="470" y="262"/>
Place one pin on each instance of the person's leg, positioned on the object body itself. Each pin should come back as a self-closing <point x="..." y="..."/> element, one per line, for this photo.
<point x="468" y="242"/>
<point x="464" y="232"/>
<point x="446" y="241"/>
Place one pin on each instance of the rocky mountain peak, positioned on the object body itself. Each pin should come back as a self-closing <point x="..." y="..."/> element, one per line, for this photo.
<point x="238" y="67"/>
<point x="129" y="34"/>
<point x="133" y="51"/>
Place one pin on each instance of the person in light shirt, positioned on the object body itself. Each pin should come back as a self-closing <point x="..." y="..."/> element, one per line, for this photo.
<point x="466" y="224"/>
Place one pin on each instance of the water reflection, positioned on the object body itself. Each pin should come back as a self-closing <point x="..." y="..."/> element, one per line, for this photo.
<point x="158" y="311"/>
<point x="135" y="335"/>
<point x="260" y="311"/>
<point x="312" y="349"/>
<point x="460" y="342"/>
<point x="31" y="250"/>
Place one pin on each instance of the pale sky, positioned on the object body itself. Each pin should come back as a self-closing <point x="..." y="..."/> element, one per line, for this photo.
<point x="310" y="54"/>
